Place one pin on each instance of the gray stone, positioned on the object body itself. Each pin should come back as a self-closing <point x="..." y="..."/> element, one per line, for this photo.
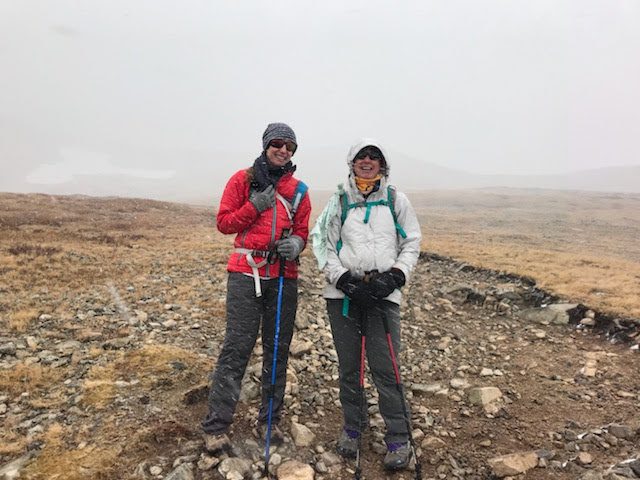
<point x="591" y="475"/>
<point x="233" y="467"/>
<point x="330" y="459"/>
<point x="459" y="383"/>
<point x="300" y="347"/>
<point x="69" y="346"/>
<point x="182" y="472"/>
<point x="8" y="348"/>
<point x="11" y="470"/>
<point x="302" y="436"/>
<point x="553" y="314"/>
<point x="293" y="470"/>
<point x="432" y="443"/>
<point x="484" y="395"/>
<point x="425" y="389"/>
<point x="621" y="431"/>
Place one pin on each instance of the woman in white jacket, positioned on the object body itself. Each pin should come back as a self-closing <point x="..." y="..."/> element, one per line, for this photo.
<point x="367" y="241"/>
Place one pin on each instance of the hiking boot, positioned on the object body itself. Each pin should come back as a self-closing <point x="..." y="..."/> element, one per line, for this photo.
<point x="348" y="443"/>
<point x="398" y="456"/>
<point x="216" y="443"/>
<point x="277" y="437"/>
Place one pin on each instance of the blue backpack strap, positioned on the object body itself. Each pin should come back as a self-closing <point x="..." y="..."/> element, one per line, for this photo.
<point x="390" y="201"/>
<point x="298" y="195"/>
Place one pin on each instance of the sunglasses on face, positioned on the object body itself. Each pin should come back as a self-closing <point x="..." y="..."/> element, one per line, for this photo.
<point x="373" y="153"/>
<point x="279" y="143"/>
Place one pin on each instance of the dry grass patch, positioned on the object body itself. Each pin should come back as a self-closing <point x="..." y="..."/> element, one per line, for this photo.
<point x="29" y="378"/>
<point x="60" y="460"/>
<point x="20" y="320"/>
<point x="33" y="250"/>
<point x="152" y="368"/>
<point x="581" y="245"/>
<point x="603" y="282"/>
<point x="11" y="443"/>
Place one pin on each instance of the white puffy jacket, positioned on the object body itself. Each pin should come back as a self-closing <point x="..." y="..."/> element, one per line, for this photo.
<point x="375" y="245"/>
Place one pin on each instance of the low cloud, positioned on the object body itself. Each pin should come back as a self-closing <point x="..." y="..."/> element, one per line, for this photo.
<point x="81" y="162"/>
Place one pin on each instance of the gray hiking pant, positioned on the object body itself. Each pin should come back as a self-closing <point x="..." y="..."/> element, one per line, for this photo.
<point x="245" y="314"/>
<point x="347" y="338"/>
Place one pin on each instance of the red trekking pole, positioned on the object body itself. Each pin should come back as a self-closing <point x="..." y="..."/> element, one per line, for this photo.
<point x="363" y="395"/>
<point x="400" y="388"/>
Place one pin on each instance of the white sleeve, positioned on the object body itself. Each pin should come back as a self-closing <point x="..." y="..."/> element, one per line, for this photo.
<point x="410" y="246"/>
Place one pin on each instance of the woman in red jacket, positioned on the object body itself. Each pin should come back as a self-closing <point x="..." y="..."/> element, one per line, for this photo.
<point x="267" y="209"/>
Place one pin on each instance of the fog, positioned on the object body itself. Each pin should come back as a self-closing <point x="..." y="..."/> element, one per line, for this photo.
<point x="162" y="99"/>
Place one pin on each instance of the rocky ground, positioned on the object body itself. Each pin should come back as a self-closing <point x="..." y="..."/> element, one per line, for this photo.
<point x="108" y="380"/>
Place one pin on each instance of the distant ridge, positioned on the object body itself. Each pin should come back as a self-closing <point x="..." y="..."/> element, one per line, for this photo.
<point x="204" y="174"/>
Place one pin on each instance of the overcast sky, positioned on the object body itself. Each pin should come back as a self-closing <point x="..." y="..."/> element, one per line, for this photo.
<point x="494" y="86"/>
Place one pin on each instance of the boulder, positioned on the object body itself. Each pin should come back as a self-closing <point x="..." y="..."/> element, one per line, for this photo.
<point x="513" y="464"/>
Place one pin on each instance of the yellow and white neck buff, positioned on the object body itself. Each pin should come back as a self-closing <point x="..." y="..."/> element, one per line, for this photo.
<point x="366" y="185"/>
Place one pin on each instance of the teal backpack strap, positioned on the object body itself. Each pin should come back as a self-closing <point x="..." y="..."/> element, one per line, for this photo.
<point x="390" y="201"/>
<point x="345" y="306"/>
<point x="344" y="202"/>
<point x="369" y="205"/>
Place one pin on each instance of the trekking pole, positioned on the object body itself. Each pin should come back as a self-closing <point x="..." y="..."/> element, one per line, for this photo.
<point x="274" y="363"/>
<point x="400" y="388"/>
<point x="363" y="396"/>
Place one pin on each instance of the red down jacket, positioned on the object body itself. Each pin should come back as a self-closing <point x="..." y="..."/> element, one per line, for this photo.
<point x="254" y="229"/>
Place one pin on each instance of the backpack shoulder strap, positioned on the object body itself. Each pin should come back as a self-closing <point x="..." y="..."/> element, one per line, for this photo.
<point x="391" y="201"/>
<point x="298" y="195"/>
<point x="345" y="206"/>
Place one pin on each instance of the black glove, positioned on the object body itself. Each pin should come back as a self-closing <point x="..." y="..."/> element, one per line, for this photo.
<point x="357" y="290"/>
<point x="383" y="284"/>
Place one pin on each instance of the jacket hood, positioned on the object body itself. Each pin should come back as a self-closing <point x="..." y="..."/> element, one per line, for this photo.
<point x="366" y="142"/>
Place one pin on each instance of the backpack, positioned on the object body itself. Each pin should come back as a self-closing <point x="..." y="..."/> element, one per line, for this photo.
<point x="346" y="206"/>
<point x="390" y="202"/>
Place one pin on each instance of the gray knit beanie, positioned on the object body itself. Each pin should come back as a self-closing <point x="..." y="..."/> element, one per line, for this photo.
<point x="277" y="130"/>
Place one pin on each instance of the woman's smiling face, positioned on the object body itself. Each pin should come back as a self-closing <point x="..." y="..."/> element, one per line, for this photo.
<point x="366" y="167"/>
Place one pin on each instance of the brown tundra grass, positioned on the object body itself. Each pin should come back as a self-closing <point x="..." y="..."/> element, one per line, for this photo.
<point x="580" y="245"/>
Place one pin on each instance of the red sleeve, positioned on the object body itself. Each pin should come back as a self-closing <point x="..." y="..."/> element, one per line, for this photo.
<point x="301" y="219"/>
<point x="236" y="212"/>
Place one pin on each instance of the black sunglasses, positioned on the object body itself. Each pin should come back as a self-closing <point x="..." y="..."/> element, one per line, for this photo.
<point x="372" y="152"/>
<point x="279" y="143"/>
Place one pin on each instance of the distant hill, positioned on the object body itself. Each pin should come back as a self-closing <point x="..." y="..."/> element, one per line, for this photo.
<point x="200" y="176"/>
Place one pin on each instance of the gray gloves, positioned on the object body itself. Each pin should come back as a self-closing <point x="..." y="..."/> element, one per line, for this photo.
<point x="264" y="199"/>
<point x="289" y="248"/>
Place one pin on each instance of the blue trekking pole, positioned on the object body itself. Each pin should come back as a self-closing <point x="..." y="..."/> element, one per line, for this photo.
<point x="274" y="364"/>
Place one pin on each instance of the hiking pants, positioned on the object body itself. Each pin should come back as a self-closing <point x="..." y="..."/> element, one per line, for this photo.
<point x="245" y="314"/>
<point x="347" y="339"/>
